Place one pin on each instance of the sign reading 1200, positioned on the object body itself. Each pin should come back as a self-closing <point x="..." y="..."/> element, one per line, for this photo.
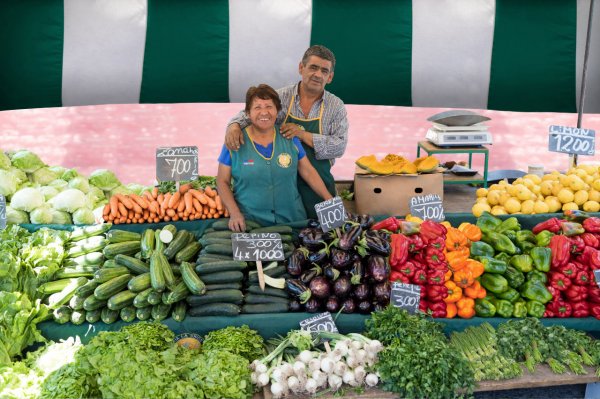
<point x="571" y="140"/>
<point x="176" y="163"/>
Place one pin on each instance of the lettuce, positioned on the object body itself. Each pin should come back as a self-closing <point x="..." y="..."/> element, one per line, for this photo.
<point x="43" y="176"/>
<point x="27" y="161"/>
<point x="80" y="183"/>
<point x="69" y="174"/>
<point x="27" y="199"/>
<point x="59" y="184"/>
<point x="4" y="160"/>
<point x="61" y="217"/>
<point x="69" y="200"/>
<point x="14" y="216"/>
<point x="48" y="191"/>
<point x="19" y="174"/>
<point x="104" y="179"/>
<point x="41" y="215"/>
<point x="83" y="216"/>
<point x="8" y="183"/>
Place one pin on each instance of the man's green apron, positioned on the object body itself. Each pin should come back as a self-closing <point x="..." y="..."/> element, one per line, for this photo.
<point x="261" y="186"/>
<point x="323" y="166"/>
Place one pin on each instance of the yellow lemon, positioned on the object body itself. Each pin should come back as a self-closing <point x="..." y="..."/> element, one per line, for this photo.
<point x="581" y="197"/>
<point x="591" y="206"/>
<point x="596" y="184"/>
<point x="494" y="187"/>
<point x="518" y="181"/>
<point x="556" y="187"/>
<point x="493" y="197"/>
<point x="581" y="173"/>
<point x="478" y="209"/>
<point x="550" y="177"/>
<point x="498" y="210"/>
<point x="536" y="189"/>
<point x="481" y="200"/>
<point x="546" y="188"/>
<point x="594" y="195"/>
<point x="589" y="169"/>
<point x="541" y="207"/>
<point x="523" y="192"/>
<point x="553" y="203"/>
<point x="481" y="192"/>
<point x="570" y="206"/>
<point x="588" y="179"/>
<point x="527" y="207"/>
<point x="504" y="196"/>
<point x="512" y="205"/>
<point x="575" y="183"/>
<point x="528" y="183"/>
<point x="565" y="195"/>
<point x="535" y="178"/>
<point x="563" y="179"/>
<point x="512" y="190"/>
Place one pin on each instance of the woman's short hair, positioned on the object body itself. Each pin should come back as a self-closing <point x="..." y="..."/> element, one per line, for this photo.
<point x="264" y="92"/>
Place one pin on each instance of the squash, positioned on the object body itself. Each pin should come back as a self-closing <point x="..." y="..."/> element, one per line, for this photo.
<point x="380" y="168"/>
<point x="428" y="164"/>
<point x="407" y="168"/>
<point x="393" y="158"/>
<point x="365" y="161"/>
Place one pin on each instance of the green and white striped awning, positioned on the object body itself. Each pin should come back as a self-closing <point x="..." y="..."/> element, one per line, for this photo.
<point x="520" y="55"/>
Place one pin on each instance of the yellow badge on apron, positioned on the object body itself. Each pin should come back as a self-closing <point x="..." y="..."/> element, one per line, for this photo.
<point x="284" y="160"/>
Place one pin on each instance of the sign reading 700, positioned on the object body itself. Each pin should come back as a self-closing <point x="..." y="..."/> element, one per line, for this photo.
<point x="176" y="163"/>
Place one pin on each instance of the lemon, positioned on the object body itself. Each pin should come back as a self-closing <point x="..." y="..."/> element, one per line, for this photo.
<point x="535" y="178"/>
<point x="528" y="183"/>
<point x="556" y="187"/>
<point x="550" y="177"/>
<point x="536" y="189"/>
<point x="527" y="207"/>
<point x="581" y="197"/>
<point x="493" y="197"/>
<point x="478" y="209"/>
<point x="581" y="173"/>
<point x="575" y="183"/>
<point x="546" y="188"/>
<point x="591" y="206"/>
<point x="481" y="200"/>
<point x="512" y="190"/>
<point x="523" y="192"/>
<point x="594" y="195"/>
<point x="553" y="203"/>
<point x="563" y="179"/>
<point x="570" y="206"/>
<point x="588" y="179"/>
<point x="541" y="207"/>
<point x="512" y="205"/>
<point x="589" y="169"/>
<point x="596" y="184"/>
<point x="481" y="192"/>
<point x="494" y="187"/>
<point x="518" y="181"/>
<point x="498" y="210"/>
<point x="565" y="195"/>
<point x="504" y="196"/>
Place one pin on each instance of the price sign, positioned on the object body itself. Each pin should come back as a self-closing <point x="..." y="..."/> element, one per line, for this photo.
<point x="2" y="212"/>
<point x="320" y="322"/>
<point x="176" y="163"/>
<point x="571" y="140"/>
<point x="427" y="207"/>
<point x="331" y="213"/>
<point x="257" y="246"/>
<point x="406" y="296"/>
<point x="597" y="276"/>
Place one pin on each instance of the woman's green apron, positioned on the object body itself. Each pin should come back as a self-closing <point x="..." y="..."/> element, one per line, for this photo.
<point x="323" y="166"/>
<point x="261" y="186"/>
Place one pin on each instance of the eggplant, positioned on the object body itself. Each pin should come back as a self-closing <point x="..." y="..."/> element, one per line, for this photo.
<point x="364" y="307"/>
<point x="296" y="262"/>
<point x="319" y="286"/>
<point x="318" y="257"/>
<point x="314" y="224"/>
<point x="294" y="306"/>
<point x="331" y="273"/>
<point x="333" y="304"/>
<point x="298" y="290"/>
<point x="312" y="306"/>
<point x="357" y="272"/>
<point x="349" y="237"/>
<point x="342" y="287"/>
<point x="348" y="306"/>
<point x="365" y="221"/>
<point x="313" y="239"/>
<point x="340" y="259"/>
<point x="378" y="246"/>
<point x="379" y="268"/>
<point x="381" y="292"/>
<point x="362" y="292"/>
<point x="308" y="275"/>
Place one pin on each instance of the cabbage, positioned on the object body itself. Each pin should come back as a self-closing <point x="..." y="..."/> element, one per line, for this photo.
<point x="27" y="199"/>
<point x="59" y="184"/>
<point x="120" y="190"/>
<point x="19" y="174"/>
<point x="4" y="160"/>
<point x="59" y="170"/>
<point x="136" y="188"/>
<point x="69" y="174"/>
<point x="69" y="200"/>
<point x="94" y="196"/>
<point x="44" y="176"/>
<point x="61" y="217"/>
<point x="83" y="216"/>
<point x="80" y="183"/>
<point x="16" y="217"/>
<point x="41" y="215"/>
<point x="8" y="183"/>
<point x="48" y="192"/>
<point x="104" y="179"/>
<point x="27" y="161"/>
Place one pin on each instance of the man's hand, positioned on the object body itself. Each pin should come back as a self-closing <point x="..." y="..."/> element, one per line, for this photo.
<point x="291" y="130"/>
<point x="237" y="222"/>
<point x="234" y="137"/>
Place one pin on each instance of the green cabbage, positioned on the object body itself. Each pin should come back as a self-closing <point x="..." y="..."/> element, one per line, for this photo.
<point x="69" y="200"/>
<point x="69" y="174"/>
<point x="4" y="160"/>
<point x="61" y="217"/>
<point x="19" y="174"/>
<point x="8" y="183"/>
<point x="59" y="170"/>
<point x="27" y="199"/>
<point x="95" y="195"/>
<point x="136" y="188"/>
<point x="80" y="183"/>
<point x="43" y="176"/>
<point x="83" y="216"/>
<point x="14" y="216"/>
<point x="48" y="192"/>
<point x="104" y="179"/>
<point x="120" y="190"/>
<point x="27" y="161"/>
<point x="41" y="215"/>
<point x="59" y="184"/>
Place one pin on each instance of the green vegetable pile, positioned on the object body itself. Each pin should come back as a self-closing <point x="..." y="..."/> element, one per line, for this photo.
<point x="237" y="340"/>
<point x="417" y="361"/>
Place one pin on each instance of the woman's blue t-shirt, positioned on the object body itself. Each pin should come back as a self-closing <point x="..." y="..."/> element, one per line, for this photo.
<point x="225" y="156"/>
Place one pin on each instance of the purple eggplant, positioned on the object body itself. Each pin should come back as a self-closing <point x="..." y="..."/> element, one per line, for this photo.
<point x="312" y="306"/>
<point x="379" y="268"/>
<point x="312" y="223"/>
<point x="296" y="262"/>
<point x="294" y="305"/>
<point x="349" y="237"/>
<point x="364" y="307"/>
<point x="362" y="292"/>
<point x="348" y="306"/>
<point x="333" y="304"/>
<point x="318" y="257"/>
<point x="331" y="273"/>
<point x="357" y="272"/>
<point x="365" y="221"/>
<point x="377" y="245"/>
<point x="381" y="292"/>
<point x="298" y="290"/>
<point x="340" y="259"/>
<point x="342" y="287"/>
<point x="319" y="286"/>
<point x="313" y="239"/>
<point x="308" y="275"/>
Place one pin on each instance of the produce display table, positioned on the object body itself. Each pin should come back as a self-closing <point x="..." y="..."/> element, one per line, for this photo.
<point x="430" y="149"/>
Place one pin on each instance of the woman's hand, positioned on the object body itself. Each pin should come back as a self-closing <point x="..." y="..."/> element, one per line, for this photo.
<point x="234" y="137"/>
<point x="237" y="222"/>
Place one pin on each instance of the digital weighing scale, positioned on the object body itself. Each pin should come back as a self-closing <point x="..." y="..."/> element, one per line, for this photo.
<point x="458" y="129"/>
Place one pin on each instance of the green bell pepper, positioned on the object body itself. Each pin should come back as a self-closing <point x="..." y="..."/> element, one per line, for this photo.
<point x="535" y="309"/>
<point x="504" y="257"/>
<point x="488" y="222"/>
<point x="542" y="239"/>
<point x="484" y="308"/>
<point x="541" y="257"/>
<point x="480" y="248"/>
<point x="510" y="224"/>
<point x="512" y="235"/>
<point x="525" y="246"/>
<point x="525" y="236"/>
<point x="503" y="307"/>
<point x="500" y="242"/>
<point x="536" y="290"/>
<point x="491" y="265"/>
<point x="523" y="263"/>
<point x="536" y="275"/>
<point x="494" y="283"/>
<point x="510" y="295"/>
<point x="520" y="309"/>
<point x="514" y="277"/>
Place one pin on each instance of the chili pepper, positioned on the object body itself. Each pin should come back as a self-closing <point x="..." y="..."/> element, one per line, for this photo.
<point x="515" y="277"/>
<point x="500" y="242"/>
<point x="590" y="240"/>
<point x="488" y="222"/>
<point x="415" y="243"/>
<point x="582" y="278"/>
<point x="408" y="269"/>
<point x="523" y="263"/>
<point x="430" y="231"/>
<point x="576" y="293"/>
<point x="559" y="281"/>
<point x="494" y="283"/>
<point x="542" y="239"/>
<point x="435" y="277"/>
<point x="535" y="308"/>
<point x="399" y="246"/>
<point x="568" y="270"/>
<point x="594" y="294"/>
<point x="399" y="277"/>
<point x="435" y="258"/>
<point x="552" y="225"/>
<point x="525" y="236"/>
<point x="438" y="309"/>
<point x="480" y="248"/>
<point x="420" y="277"/>
<point x="503" y="307"/>
<point x="512" y="223"/>
<point x="475" y="290"/>
<point x="536" y="275"/>
<point x="536" y="291"/>
<point x="561" y="248"/>
<point x="491" y="265"/>
<point x="510" y="295"/>
<point x="594" y="309"/>
<point x="580" y="309"/>
<point x="560" y="308"/>
<point x="592" y="225"/>
<point x="571" y="228"/>
<point x="423" y="305"/>
<point x="390" y="224"/>
<point x="484" y="308"/>
<point x="520" y="309"/>
<point x="504" y="257"/>
<point x="436" y="293"/>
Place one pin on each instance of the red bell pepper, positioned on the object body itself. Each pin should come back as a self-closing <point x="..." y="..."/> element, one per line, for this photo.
<point x="577" y="244"/>
<point x="595" y="310"/>
<point x="409" y="228"/>
<point x="438" y="309"/>
<point x="555" y="292"/>
<point x="569" y="270"/>
<point x="561" y="250"/>
<point x="415" y="243"/>
<point x="419" y="265"/>
<point x="580" y="309"/>
<point x="594" y="258"/>
<point x="436" y="293"/>
<point x="423" y="305"/>
<point x="407" y="269"/>
<point x="590" y="240"/>
<point x="592" y="225"/>
<point x="390" y="224"/>
<point x="594" y="294"/>
<point x="549" y="313"/>
<point x="437" y="243"/>
<point x="399" y="246"/>
<point x="436" y="277"/>
<point x="423" y="293"/>
<point x="576" y="293"/>
<point x="582" y="278"/>
<point x="560" y="308"/>
<point x="420" y="277"/>
<point x="432" y="230"/>
<point x="559" y="281"/>
<point x="579" y="266"/>
<point x="435" y="259"/>
<point x="552" y="225"/>
<point x="399" y="277"/>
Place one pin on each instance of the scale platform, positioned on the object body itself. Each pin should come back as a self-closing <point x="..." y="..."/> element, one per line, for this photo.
<point x="458" y="138"/>
<point x="459" y="128"/>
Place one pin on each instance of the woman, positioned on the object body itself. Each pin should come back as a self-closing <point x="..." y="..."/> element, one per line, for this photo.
<point x="265" y="169"/>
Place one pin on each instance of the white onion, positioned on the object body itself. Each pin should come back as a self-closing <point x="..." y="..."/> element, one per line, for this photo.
<point x="299" y="367"/>
<point x="311" y="386"/>
<point x="340" y="368"/>
<point x="320" y="377"/>
<point x="314" y="364"/>
<point x="262" y="380"/>
<point x="287" y="369"/>
<point x="327" y="365"/>
<point x="352" y="362"/>
<point x="360" y="374"/>
<point x="305" y="356"/>
<point x="335" y="382"/>
<point x="348" y="378"/>
<point x="277" y="389"/>
<point x="261" y="368"/>
<point x="253" y="378"/>
<point x="371" y="380"/>
<point x="293" y="384"/>
<point x="342" y="347"/>
<point x="356" y="345"/>
<point x="277" y="374"/>
<point x="361" y="356"/>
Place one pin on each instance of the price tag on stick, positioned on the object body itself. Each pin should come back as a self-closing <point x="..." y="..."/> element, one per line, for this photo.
<point x="176" y="163"/>
<point x="256" y="247"/>
<point x="406" y="296"/>
<point x="427" y="207"/>
<point x="571" y="140"/>
<point x="597" y="276"/>
<point x="331" y="213"/>
<point x="2" y="212"/>
<point x="318" y="323"/>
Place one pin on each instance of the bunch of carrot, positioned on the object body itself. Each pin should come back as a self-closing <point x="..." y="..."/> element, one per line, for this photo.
<point x="186" y="203"/>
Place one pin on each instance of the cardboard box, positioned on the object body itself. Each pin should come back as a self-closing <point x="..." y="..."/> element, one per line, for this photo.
<point x="391" y="194"/>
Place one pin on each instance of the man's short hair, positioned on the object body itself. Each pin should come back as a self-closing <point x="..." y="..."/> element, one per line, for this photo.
<point x="321" y="52"/>
<point x="264" y="92"/>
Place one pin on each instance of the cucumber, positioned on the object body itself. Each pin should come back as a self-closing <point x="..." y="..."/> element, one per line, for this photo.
<point x="109" y="316"/>
<point x="52" y="287"/>
<point x="180" y="292"/>
<point x="219" y="249"/>
<point x="76" y="271"/>
<point x="160" y="311"/>
<point x="81" y="233"/>
<point x="167" y="234"/>
<point x="209" y="241"/>
<point x="112" y="287"/>
<point x="90" y="259"/>
<point x="219" y="234"/>
<point x="127" y="314"/>
<point x="215" y="309"/>
<point x="223" y="224"/>
<point x="93" y="303"/>
<point x="123" y="248"/>
<point x="154" y="298"/>
<point x="255" y="299"/>
<point x="209" y="230"/>
<point x="224" y="286"/>
<point x="221" y="266"/>
<point x="147" y="243"/>
<point x="138" y="256"/>
<point x="62" y="315"/>
<point x="159" y="244"/>
<point x="136" y="266"/>
<point x="110" y="263"/>
<point x="116" y="236"/>
<point x="265" y="308"/>
<point x="157" y="279"/>
<point x="207" y="258"/>
<point x="121" y="299"/>
<point x="144" y="313"/>
<point x="221" y="278"/>
<point x="76" y="302"/>
<point x="141" y="299"/>
<point x="176" y="269"/>
<point x="87" y="289"/>
<point x="191" y="279"/>
<point x="78" y="317"/>
<point x="182" y="238"/>
<point x="273" y="229"/>
<point x="255" y="289"/>
<point x="94" y="244"/>
<point x="60" y="298"/>
<point x="139" y="283"/>
<point x="223" y="296"/>
<point x="179" y="311"/>
<point x="188" y="252"/>
<point x="93" y="316"/>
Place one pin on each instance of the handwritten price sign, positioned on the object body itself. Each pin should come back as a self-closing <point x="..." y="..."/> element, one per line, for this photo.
<point x="2" y="212"/>
<point x="318" y="323"/>
<point x="571" y="140"/>
<point x="257" y="246"/>
<point x="427" y="207"/>
<point x="176" y="163"/>
<point x="406" y="296"/>
<point x="331" y="213"/>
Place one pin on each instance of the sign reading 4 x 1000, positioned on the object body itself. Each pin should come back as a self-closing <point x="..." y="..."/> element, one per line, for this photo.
<point x="176" y="163"/>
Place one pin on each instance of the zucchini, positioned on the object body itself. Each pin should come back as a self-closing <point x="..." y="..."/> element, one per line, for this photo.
<point x="103" y="275"/>
<point x="144" y="313"/>
<point x="76" y="271"/>
<point x="93" y="303"/>
<point x="223" y="224"/>
<point x="182" y="238"/>
<point x="60" y="298"/>
<point x="139" y="283"/>
<point x="109" y="316"/>
<point x="112" y="287"/>
<point x="255" y="289"/>
<point x="93" y="316"/>
<point x="94" y="244"/>
<point x="147" y="243"/>
<point x="222" y="296"/>
<point x="219" y="249"/>
<point x="167" y="271"/>
<point x="224" y="286"/>
<point x="141" y="299"/>
<point x="91" y="259"/>
<point x="221" y="278"/>
<point x="127" y="314"/>
<point x="265" y="308"/>
<point x="78" y="317"/>
<point x="176" y="269"/>
<point x="180" y="292"/>
<point x="207" y="258"/>
<point x="138" y="256"/>
<point x="81" y="233"/>
<point x="255" y="299"/>
<point x="110" y="263"/>
<point x="154" y="298"/>
<point x="188" y="252"/>
<point x="52" y="287"/>
<point x="116" y="236"/>
<point x="215" y="309"/>
<point x="62" y="315"/>
<point x="219" y="234"/>
<point x="279" y="271"/>
<point x="157" y="279"/>
<point x="179" y="311"/>
<point x="159" y="245"/>
<point x="191" y="279"/>
<point x="221" y="266"/>
<point x="160" y="311"/>
<point x="281" y="229"/>
<point x="136" y="266"/>
<point x="123" y="248"/>
<point x="208" y="241"/>
<point x="165" y="238"/>
<point x="121" y="299"/>
<point x="87" y="289"/>
<point x="76" y="302"/>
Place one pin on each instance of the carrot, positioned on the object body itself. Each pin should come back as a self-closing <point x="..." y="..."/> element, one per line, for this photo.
<point x="155" y="192"/>
<point x="170" y="212"/>
<point x="148" y="196"/>
<point x="134" y="220"/>
<point x="219" y="203"/>
<point x="114" y="206"/>
<point x="197" y="205"/>
<point x="116" y="221"/>
<point x="123" y="219"/>
<point x="174" y="201"/>
<point x="205" y="210"/>
<point x="175" y="218"/>
<point x="153" y="207"/>
<point x="188" y="200"/>
<point x="185" y="218"/>
<point x="209" y="191"/>
<point x="109" y="218"/>
<point x="122" y="209"/>
<point x="106" y="210"/>
<point x="212" y="204"/>
<point x="184" y="188"/>
<point x="181" y="206"/>
<point x="142" y="203"/>
<point x="180" y="214"/>
<point x="167" y="219"/>
<point x="137" y="208"/>
<point x="212" y="211"/>
<point x="146" y="214"/>
<point x="203" y="216"/>
<point x="130" y="214"/>
<point x="165" y="202"/>
<point x="125" y="200"/>
<point x="200" y="196"/>
<point x="156" y="220"/>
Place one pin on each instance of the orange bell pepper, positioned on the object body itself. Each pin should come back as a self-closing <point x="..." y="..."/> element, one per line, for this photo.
<point x="455" y="239"/>
<point x="475" y="291"/>
<point x="456" y="258"/>
<point x="451" y="310"/>
<point x="472" y="231"/>
<point x="466" y="307"/>
<point x="463" y="277"/>
<point x="448" y="275"/>
<point x="454" y="292"/>
<point x="475" y="267"/>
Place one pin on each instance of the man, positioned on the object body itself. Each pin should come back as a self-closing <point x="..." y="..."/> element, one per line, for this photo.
<point x="314" y="115"/>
